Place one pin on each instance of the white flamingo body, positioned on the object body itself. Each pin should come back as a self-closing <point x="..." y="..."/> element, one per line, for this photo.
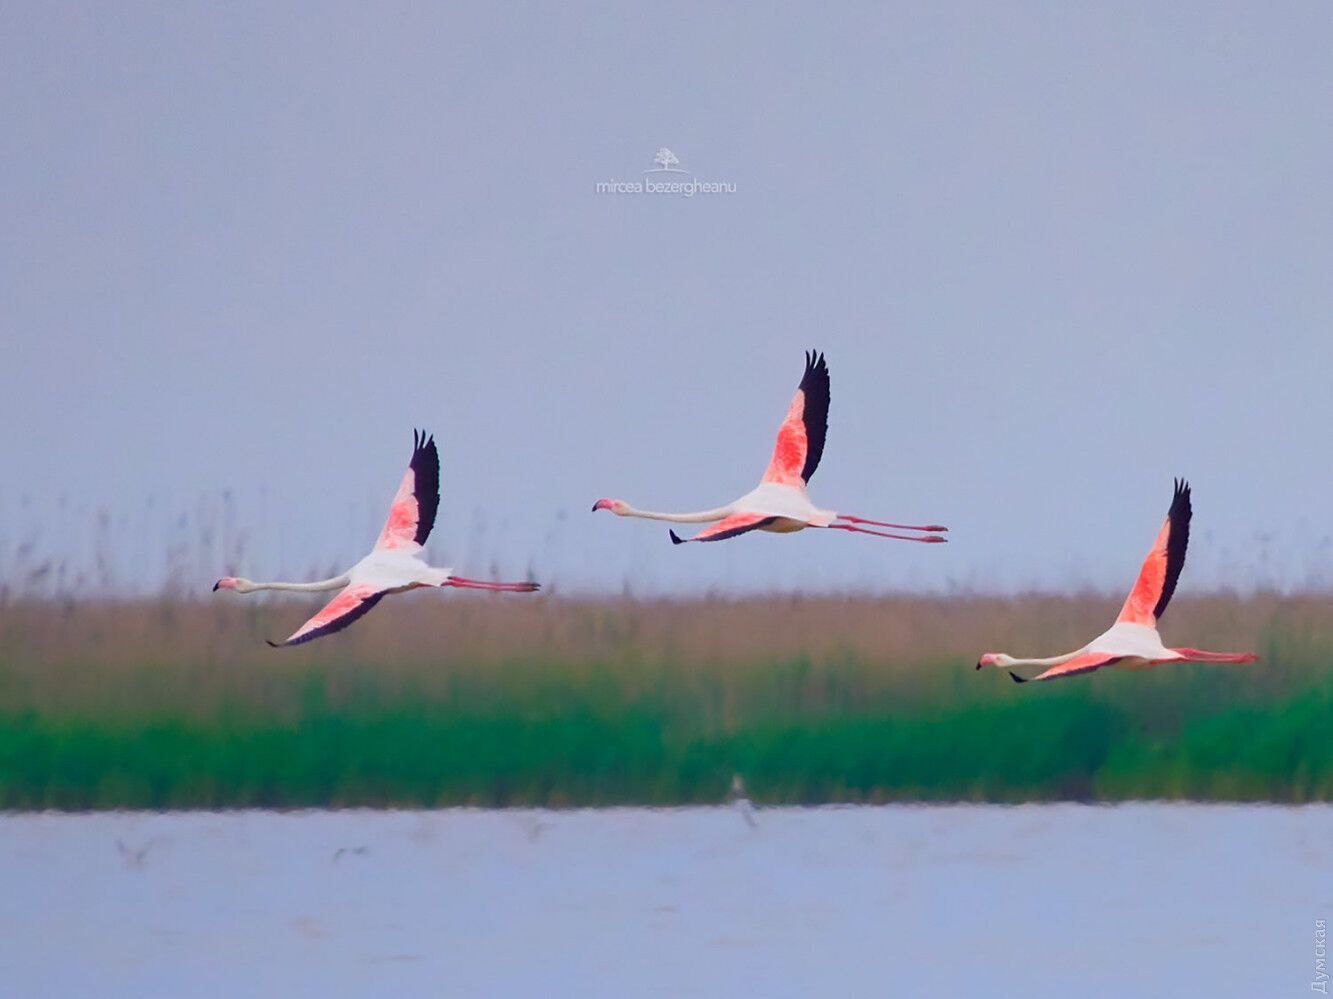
<point x="780" y="504"/>
<point x="789" y="504"/>
<point x="396" y="571"/>
<point x="1133" y="642"/>
<point x="394" y="565"/>
<point x="1138" y="645"/>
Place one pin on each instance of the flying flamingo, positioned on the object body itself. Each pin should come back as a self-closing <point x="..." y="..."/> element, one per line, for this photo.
<point x="1132" y="642"/>
<point x="393" y="565"/>
<point x="779" y="503"/>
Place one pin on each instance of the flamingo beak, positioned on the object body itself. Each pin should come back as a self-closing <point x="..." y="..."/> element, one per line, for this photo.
<point x="979" y="664"/>
<point x="216" y="585"/>
<point x="601" y="504"/>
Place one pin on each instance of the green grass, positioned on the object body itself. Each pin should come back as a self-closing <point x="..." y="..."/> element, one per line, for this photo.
<point x="550" y="702"/>
<point x="577" y="736"/>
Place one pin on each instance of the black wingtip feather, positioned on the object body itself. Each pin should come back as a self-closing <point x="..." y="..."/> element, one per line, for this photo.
<point x="675" y="538"/>
<point x="1016" y="678"/>
<point x="426" y="468"/>
<point x="815" y="385"/>
<point x="1182" y="510"/>
<point x="274" y="645"/>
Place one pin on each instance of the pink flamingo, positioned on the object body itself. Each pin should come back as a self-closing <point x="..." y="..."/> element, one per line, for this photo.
<point x="780" y="503"/>
<point x="1132" y="642"/>
<point x="393" y="565"/>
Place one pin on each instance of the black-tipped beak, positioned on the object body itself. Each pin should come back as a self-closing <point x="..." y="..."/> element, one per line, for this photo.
<point x="978" y="664"/>
<point x="594" y="508"/>
<point x="216" y="585"/>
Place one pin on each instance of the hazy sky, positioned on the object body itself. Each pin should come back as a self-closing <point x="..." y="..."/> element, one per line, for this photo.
<point x="1056" y="254"/>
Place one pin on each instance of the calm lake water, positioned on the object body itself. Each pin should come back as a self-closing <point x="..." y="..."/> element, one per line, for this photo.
<point x="887" y="901"/>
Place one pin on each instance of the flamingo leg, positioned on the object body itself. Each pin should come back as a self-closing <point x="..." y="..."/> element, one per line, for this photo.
<point x="883" y="523"/>
<point x="1200" y="656"/>
<point x="481" y="584"/>
<point x="930" y="539"/>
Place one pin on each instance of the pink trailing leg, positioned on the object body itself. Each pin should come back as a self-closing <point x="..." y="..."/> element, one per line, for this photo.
<point x="481" y="584"/>
<point x="1200" y="656"/>
<point x="930" y="539"/>
<point x="933" y="528"/>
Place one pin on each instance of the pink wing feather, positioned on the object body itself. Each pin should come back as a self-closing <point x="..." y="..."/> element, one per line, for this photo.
<point x="351" y="603"/>
<point x="1085" y="663"/>
<point x="412" y="513"/>
<point x="727" y="527"/>
<point x="1157" y="579"/>
<point x="800" y="442"/>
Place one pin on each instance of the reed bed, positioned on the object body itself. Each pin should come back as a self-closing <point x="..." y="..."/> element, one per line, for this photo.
<point x="549" y="701"/>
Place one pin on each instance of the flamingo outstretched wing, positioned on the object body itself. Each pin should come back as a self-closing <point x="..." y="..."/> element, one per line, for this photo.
<point x="352" y="602"/>
<point x="727" y="527"/>
<point x="1157" y="579"/>
<point x="412" y="513"/>
<point x="1084" y="663"/>
<point x="800" y="442"/>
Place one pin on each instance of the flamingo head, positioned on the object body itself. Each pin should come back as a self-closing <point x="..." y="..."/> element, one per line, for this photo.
<point x="233" y="583"/>
<point x="994" y="659"/>
<point x="618" y="507"/>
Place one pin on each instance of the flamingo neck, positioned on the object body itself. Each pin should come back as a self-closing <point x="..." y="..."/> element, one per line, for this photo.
<point x="318" y="586"/>
<point x="1042" y="663"/>
<point x="701" y="517"/>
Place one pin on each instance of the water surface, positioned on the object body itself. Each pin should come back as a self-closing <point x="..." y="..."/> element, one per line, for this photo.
<point x="1049" y="900"/>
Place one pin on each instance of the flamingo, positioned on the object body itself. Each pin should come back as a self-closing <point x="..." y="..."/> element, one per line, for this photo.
<point x="394" y="565"/>
<point x="780" y="503"/>
<point x="1132" y="642"/>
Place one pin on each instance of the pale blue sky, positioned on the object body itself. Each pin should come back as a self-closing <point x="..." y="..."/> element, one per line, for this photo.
<point x="1056" y="254"/>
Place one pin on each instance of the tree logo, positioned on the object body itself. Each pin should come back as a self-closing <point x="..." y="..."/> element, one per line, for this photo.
<point x="666" y="162"/>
